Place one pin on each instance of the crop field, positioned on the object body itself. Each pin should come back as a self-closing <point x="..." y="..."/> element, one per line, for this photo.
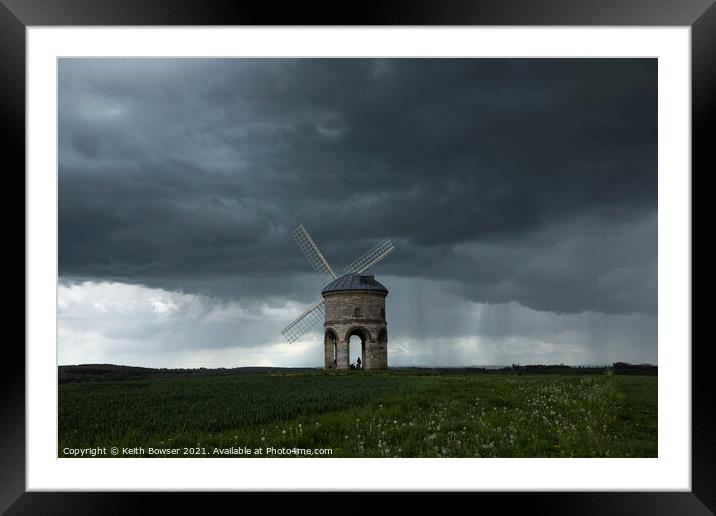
<point x="361" y="414"/>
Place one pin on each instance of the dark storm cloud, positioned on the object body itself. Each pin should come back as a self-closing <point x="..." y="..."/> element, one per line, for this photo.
<point x="532" y="181"/>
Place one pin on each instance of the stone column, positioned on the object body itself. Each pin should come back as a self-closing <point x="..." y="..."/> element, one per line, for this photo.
<point x="328" y="354"/>
<point x="376" y="350"/>
<point x="343" y="359"/>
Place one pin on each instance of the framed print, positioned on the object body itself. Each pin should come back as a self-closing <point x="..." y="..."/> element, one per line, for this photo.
<point x="498" y="208"/>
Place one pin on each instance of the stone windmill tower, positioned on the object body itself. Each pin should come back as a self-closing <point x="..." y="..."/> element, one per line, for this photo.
<point x="352" y="305"/>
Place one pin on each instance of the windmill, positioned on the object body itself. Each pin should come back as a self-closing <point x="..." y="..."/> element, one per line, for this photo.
<point x="356" y="305"/>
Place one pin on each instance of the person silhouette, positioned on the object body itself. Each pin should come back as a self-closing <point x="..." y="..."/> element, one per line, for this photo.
<point x="358" y="362"/>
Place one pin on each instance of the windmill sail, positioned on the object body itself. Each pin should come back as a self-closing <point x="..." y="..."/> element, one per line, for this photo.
<point x="304" y="322"/>
<point x="379" y="251"/>
<point x="311" y="251"/>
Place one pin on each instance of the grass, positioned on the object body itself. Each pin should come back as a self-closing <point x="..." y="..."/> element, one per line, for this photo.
<point x="368" y="415"/>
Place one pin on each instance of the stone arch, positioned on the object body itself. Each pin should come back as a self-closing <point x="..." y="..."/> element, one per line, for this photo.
<point x="361" y="331"/>
<point x="365" y="338"/>
<point x="330" y="342"/>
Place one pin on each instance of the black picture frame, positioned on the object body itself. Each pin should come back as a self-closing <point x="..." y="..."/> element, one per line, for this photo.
<point x="16" y="15"/>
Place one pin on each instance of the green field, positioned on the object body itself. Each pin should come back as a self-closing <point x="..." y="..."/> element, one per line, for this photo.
<point x="360" y="414"/>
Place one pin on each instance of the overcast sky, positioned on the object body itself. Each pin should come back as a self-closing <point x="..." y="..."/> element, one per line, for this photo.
<point x="521" y="196"/>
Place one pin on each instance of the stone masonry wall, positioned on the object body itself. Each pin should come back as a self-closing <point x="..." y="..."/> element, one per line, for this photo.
<point x="367" y="323"/>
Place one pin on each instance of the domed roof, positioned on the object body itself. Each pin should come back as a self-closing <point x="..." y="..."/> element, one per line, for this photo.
<point x="354" y="281"/>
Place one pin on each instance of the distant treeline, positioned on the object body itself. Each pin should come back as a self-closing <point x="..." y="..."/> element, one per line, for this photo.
<point x="111" y="372"/>
<point x="616" y="367"/>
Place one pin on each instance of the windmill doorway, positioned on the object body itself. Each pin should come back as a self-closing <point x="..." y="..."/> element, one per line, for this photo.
<point x="357" y="339"/>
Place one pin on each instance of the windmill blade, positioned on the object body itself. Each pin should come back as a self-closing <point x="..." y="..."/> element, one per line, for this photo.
<point x="311" y="251"/>
<point x="379" y="251"/>
<point x="304" y="322"/>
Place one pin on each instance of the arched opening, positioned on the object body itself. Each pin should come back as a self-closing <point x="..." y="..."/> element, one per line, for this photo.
<point x="331" y="349"/>
<point x="356" y="352"/>
<point x="357" y="338"/>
